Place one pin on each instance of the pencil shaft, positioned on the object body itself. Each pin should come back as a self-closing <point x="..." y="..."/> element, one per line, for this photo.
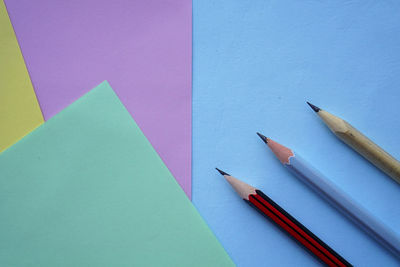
<point x="285" y="221"/>
<point x="295" y="229"/>
<point x="372" y="152"/>
<point x="362" y="144"/>
<point x="344" y="203"/>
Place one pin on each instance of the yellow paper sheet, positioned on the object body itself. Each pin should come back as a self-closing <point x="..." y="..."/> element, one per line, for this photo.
<point x="19" y="110"/>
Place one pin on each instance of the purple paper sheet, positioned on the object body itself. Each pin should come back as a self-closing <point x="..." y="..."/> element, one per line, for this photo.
<point x="142" y="47"/>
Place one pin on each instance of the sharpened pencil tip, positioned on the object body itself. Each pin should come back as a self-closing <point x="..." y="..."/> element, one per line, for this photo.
<point x="315" y="108"/>
<point x="263" y="137"/>
<point x="222" y="172"/>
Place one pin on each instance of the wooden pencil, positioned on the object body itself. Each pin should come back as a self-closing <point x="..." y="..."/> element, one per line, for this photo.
<point x="336" y="197"/>
<point x="267" y="207"/>
<point x="360" y="143"/>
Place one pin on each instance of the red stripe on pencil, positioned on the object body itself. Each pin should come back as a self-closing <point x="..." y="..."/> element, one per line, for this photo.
<point x="286" y="222"/>
<point x="294" y="224"/>
<point x="302" y="239"/>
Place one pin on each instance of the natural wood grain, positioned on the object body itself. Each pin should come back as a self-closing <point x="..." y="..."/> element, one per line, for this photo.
<point x="362" y="144"/>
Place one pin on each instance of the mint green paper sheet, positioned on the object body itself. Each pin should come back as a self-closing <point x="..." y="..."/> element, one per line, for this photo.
<point x="87" y="189"/>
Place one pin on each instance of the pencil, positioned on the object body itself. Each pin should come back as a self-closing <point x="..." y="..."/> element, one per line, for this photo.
<point x="267" y="207"/>
<point x="360" y="143"/>
<point x="335" y="196"/>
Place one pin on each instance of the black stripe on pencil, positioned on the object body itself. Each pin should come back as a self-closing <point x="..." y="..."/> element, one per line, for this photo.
<point x="269" y="209"/>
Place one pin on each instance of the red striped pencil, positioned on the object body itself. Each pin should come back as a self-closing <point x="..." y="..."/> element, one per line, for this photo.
<point x="286" y="222"/>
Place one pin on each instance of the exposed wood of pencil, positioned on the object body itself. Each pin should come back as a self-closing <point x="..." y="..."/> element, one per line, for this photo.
<point x="268" y="208"/>
<point x="362" y="144"/>
<point x="336" y="197"/>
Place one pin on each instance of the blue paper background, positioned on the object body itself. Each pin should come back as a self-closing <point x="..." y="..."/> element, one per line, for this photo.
<point x="255" y="64"/>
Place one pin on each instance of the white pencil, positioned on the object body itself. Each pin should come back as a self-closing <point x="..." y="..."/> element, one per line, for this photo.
<point x="335" y="196"/>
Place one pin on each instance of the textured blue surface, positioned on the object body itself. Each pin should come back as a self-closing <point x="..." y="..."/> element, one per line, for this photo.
<point x="255" y="63"/>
